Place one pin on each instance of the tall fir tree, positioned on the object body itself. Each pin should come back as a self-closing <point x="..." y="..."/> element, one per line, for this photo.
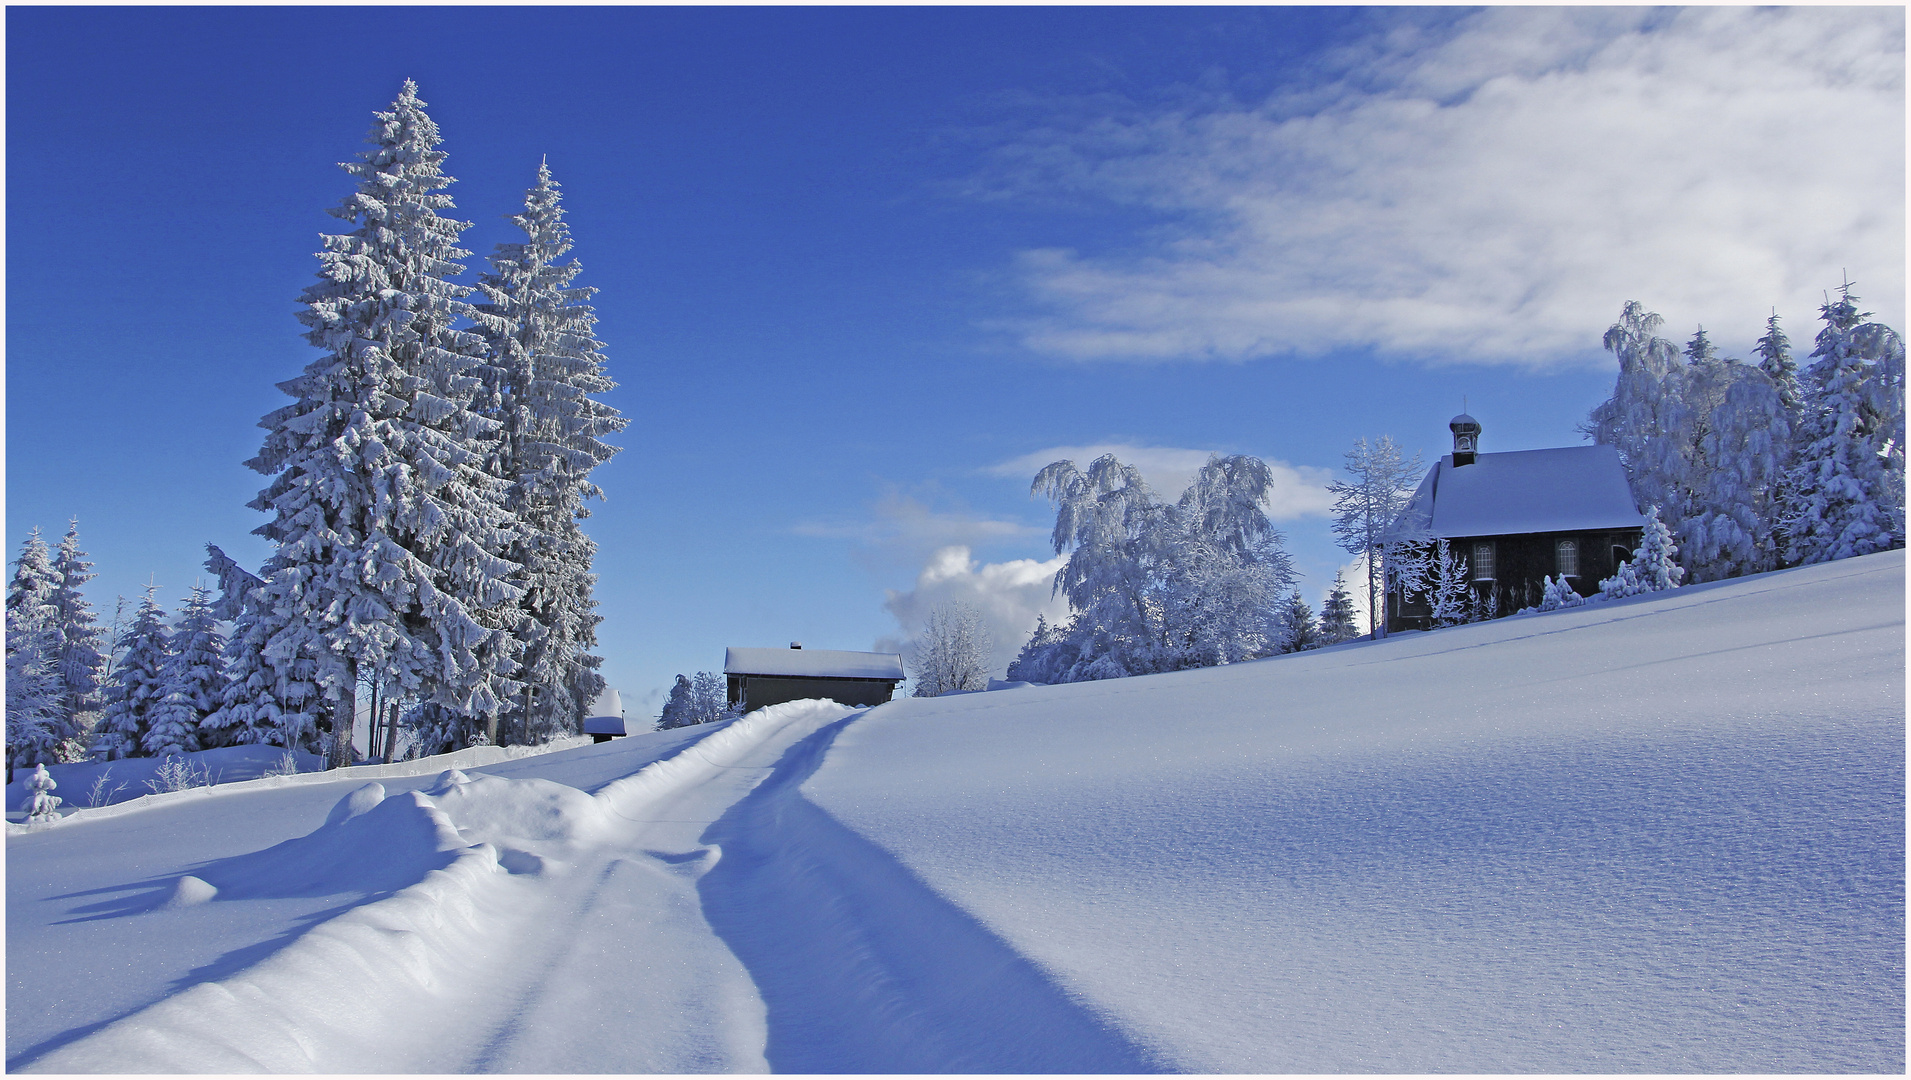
<point x="1845" y="493"/>
<point x="1337" y="618"/>
<point x="194" y="678"/>
<point x="543" y="365"/>
<point x="385" y="511"/>
<point x="82" y="664"/>
<point x="138" y="684"/>
<point x="37" y="727"/>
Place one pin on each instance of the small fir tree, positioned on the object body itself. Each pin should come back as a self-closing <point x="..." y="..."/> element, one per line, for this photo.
<point x="193" y="681"/>
<point x="1337" y="619"/>
<point x="139" y="682"/>
<point x="82" y="664"/>
<point x="1297" y="619"/>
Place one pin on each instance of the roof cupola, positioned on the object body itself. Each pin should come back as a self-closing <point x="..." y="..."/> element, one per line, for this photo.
<point x="1466" y="439"/>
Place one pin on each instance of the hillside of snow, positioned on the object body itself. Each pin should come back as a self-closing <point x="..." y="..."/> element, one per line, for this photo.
<point x="1664" y="834"/>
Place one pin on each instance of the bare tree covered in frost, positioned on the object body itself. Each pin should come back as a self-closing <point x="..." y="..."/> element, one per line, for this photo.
<point x="952" y="652"/>
<point x="1367" y="508"/>
<point x="543" y="366"/>
<point x="1845" y="493"/>
<point x="384" y="510"/>
<point x="138" y="684"/>
<point x="1159" y="586"/>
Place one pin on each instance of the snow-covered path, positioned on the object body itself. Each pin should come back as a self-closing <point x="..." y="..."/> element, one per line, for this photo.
<point x="1665" y="835"/>
<point x="588" y="954"/>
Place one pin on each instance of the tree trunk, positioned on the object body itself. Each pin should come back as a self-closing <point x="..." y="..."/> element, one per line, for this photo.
<point x="391" y="733"/>
<point x="344" y="718"/>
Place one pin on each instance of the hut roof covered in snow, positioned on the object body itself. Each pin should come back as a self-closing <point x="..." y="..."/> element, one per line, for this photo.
<point x="813" y="663"/>
<point x="1563" y="489"/>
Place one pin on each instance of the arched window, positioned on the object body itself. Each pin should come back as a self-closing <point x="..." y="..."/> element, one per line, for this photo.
<point x="1483" y="560"/>
<point x="1568" y="554"/>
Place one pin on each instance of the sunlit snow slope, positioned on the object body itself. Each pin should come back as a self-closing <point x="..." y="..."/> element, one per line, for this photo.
<point x="1663" y="834"/>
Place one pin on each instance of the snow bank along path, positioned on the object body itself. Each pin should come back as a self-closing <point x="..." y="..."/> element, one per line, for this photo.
<point x="1665" y="834"/>
<point x="546" y="930"/>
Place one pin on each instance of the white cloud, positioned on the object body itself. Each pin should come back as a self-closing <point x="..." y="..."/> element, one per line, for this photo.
<point x="1298" y="490"/>
<point x="904" y="528"/>
<point x="1008" y="594"/>
<point x="1493" y="190"/>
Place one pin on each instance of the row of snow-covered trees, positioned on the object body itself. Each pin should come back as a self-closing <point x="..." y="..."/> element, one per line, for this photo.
<point x="1756" y="466"/>
<point x="698" y="700"/>
<point x="1160" y="586"/>
<point x="427" y="479"/>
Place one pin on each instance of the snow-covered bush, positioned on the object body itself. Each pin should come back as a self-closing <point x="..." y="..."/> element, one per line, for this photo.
<point x="178" y="773"/>
<point x="100" y="794"/>
<point x="44" y="804"/>
<point x="1559" y="594"/>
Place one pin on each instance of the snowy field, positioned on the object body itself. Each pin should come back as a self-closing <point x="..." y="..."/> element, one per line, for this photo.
<point x="1665" y="834"/>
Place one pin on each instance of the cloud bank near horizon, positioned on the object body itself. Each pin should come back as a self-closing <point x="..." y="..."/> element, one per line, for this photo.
<point x="1490" y="190"/>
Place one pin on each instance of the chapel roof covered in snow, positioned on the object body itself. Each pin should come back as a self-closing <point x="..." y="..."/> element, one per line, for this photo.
<point x="813" y="663"/>
<point x="1563" y="489"/>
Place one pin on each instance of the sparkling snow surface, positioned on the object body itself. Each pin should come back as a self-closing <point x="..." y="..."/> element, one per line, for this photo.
<point x="1663" y="834"/>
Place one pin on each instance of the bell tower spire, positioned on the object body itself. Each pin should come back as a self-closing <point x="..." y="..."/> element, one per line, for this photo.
<point x="1466" y="439"/>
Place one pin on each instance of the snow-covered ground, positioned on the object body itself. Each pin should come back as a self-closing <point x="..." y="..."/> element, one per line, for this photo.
<point x="1663" y="834"/>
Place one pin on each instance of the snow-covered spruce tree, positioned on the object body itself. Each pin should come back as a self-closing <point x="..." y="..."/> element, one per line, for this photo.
<point x="952" y="651"/>
<point x="1337" y="620"/>
<point x="677" y="706"/>
<point x="1774" y="352"/>
<point x="1299" y="633"/>
<point x="384" y="509"/>
<point x="36" y="712"/>
<point x="1367" y="508"/>
<point x="1050" y="653"/>
<point x="1653" y="568"/>
<point x="1845" y="493"/>
<point x="138" y="684"/>
<point x="82" y="665"/>
<point x="259" y="703"/>
<point x="542" y="367"/>
<point x="31" y="591"/>
<point x="195" y="678"/>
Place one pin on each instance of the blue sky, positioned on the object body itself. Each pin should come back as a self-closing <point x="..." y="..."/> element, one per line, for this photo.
<point x="863" y="270"/>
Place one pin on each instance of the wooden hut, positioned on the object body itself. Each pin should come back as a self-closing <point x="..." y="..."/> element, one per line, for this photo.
<point x="1519" y="517"/>
<point x="759" y="677"/>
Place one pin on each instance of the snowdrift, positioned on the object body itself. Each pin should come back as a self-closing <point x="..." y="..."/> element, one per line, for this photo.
<point x="1661" y="834"/>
